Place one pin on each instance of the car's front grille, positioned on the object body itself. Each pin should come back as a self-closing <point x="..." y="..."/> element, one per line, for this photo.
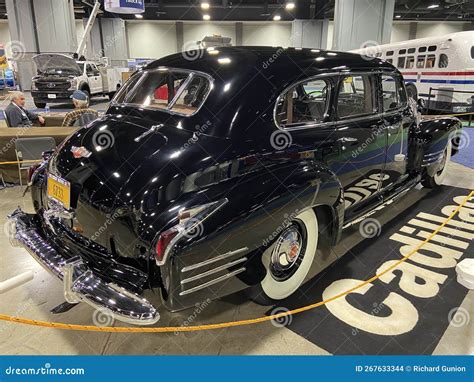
<point x="52" y="86"/>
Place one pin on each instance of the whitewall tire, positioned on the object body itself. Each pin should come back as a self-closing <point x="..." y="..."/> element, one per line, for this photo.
<point x="288" y="260"/>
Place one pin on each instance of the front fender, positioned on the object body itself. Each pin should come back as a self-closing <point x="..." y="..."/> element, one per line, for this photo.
<point x="433" y="137"/>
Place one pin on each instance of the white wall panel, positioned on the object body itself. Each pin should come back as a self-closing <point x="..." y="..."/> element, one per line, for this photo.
<point x="437" y="29"/>
<point x="268" y="34"/>
<point x="400" y="32"/>
<point x="149" y="39"/>
<point x="5" y="36"/>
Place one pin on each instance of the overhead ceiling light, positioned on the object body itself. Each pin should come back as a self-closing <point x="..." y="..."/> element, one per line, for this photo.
<point x="205" y="5"/>
<point x="276" y="18"/>
<point x="290" y="6"/>
<point x="432" y="6"/>
<point x="206" y="17"/>
<point x="397" y="16"/>
<point x="138" y="16"/>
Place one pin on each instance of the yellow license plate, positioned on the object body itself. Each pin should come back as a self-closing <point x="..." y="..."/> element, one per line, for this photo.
<point x="59" y="190"/>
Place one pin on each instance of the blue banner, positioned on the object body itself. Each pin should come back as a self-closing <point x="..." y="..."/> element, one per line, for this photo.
<point x="233" y="368"/>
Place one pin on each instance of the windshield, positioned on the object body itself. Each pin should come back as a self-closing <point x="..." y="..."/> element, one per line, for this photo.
<point x="174" y="90"/>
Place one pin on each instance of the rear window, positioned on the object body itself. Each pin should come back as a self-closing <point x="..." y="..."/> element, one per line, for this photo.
<point x="164" y="89"/>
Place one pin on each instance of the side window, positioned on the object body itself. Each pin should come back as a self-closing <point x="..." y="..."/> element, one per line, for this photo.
<point x="443" y="61"/>
<point x="393" y="93"/>
<point x="420" y="61"/>
<point x="355" y="96"/>
<point x="89" y="70"/>
<point x="303" y="103"/>
<point x="430" y="61"/>
<point x="401" y="62"/>
<point x="410" y="62"/>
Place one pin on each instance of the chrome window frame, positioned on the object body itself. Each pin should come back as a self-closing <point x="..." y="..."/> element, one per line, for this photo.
<point x="377" y="114"/>
<point x="304" y="125"/>
<point x="168" y="109"/>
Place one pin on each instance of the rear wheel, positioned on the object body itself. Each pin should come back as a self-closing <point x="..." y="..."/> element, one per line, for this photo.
<point x="40" y="105"/>
<point x="435" y="180"/>
<point x="288" y="260"/>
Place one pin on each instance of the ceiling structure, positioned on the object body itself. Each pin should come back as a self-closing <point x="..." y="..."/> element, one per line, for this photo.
<point x="252" y="10"/>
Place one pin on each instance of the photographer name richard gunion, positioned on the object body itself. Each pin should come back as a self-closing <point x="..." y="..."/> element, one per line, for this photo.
<point x="439" y="368"/>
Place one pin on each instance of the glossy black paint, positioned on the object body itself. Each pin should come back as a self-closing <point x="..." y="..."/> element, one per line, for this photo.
<point x="127" y="193"/>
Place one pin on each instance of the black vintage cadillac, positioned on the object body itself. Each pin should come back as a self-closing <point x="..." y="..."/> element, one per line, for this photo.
<point x="225" y="169"/>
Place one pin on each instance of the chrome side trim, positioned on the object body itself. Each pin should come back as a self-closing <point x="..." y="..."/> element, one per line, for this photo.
<point x="378" y="208"/>
<point x="213" y="260"/>
<point x="213" y="270"/>
<point x="212" y="282"/>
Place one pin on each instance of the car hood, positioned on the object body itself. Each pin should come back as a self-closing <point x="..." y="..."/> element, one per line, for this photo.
<point x="47" y="61"/>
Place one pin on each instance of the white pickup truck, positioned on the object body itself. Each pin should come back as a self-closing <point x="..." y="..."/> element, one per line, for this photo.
<point x="59" y="75"/>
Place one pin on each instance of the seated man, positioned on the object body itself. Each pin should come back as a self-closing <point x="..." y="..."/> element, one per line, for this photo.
<point x="17" y="115"/>
<point x="81" y="115"/>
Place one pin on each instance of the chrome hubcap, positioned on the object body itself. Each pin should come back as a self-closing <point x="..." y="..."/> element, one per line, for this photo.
<point x="287" y="253"/>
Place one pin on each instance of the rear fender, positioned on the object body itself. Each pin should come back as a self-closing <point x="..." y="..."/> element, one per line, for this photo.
<point x="258" y="209"/>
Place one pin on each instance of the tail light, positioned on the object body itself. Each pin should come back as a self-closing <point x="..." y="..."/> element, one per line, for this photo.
<point x="189" y="225"/>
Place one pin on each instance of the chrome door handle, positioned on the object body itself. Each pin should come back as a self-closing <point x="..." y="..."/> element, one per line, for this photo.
<point x="348" y="139"/>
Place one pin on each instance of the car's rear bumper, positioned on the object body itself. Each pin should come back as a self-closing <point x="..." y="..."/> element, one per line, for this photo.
<point x="80" y="283"/>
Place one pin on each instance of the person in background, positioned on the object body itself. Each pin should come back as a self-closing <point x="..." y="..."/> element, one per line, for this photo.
<point x="82" y="114"/>
<point x="16" y="113"/>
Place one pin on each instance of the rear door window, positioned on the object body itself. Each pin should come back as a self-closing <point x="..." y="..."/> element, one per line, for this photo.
<point x="304" y="103"/>
<point x="355" y="96"/>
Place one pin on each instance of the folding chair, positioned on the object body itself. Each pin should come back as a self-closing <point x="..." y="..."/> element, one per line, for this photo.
<point x="5" y="116"/>
<point x="28" y="149"/>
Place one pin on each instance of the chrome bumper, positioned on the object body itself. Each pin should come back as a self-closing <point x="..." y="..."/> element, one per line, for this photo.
<point x="80" y="283"/>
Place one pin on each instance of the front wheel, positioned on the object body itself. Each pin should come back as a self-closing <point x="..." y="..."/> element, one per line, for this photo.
<point x="435" y="180"/>
<point x="288" y="260"/>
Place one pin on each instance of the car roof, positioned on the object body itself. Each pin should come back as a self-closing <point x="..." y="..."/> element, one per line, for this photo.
<point x="281" y="65"/>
